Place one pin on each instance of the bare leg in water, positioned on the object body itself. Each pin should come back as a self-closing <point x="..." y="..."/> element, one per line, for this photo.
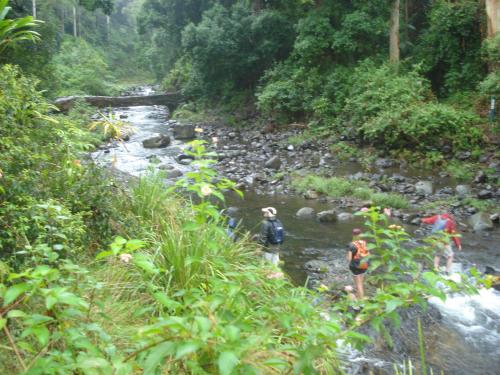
<point x="449" y="263"/>
<point x="436" y="263"/>
<point x="358" y="280"/>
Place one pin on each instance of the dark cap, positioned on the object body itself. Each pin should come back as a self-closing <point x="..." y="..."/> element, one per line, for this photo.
<point x="356" y="232"/>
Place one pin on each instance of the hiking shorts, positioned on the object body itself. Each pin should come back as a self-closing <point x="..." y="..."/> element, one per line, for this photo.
<point x="444" y="250"/>
<point x="355" y="270"/>
<point x="273" y="258"/>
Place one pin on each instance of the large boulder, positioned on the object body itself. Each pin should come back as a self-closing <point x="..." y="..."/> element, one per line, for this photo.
<point x="185" y="131"/>
<point x="328" y="216"/>
<point x="305" y="213"/>
<point x="273" y="163"/>
<point x="311" y="194"/>
<point x="485" y="194"/>
<point x="160" y="141"/>
<point x="174" y="173"/>
<point x="480" y="222"/>
<point x="345" y="216"/>
<point x="424" y="187"/>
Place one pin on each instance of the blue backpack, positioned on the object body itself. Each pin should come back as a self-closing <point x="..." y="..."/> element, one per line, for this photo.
<point x="277" y="233"/>
<point x="439" y="224"/>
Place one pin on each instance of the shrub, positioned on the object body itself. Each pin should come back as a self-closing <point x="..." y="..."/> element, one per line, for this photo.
<point x="340" y="187"/>
<point x="231" y="47"/>
<point x="396" y="110"/>
<point x="490" y="86"/>
<point x="81" y="69"/>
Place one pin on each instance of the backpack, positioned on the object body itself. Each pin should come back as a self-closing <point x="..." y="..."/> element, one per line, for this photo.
<point x="276" y="233"/>
<point x="361" y="252"/>
<point x="439" y="224"/>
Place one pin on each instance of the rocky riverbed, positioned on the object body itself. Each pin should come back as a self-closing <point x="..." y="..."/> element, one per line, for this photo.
<point x="262" y="163"/>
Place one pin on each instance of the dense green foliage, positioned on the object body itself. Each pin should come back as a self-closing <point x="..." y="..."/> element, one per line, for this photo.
<point x="325" y="62"/>
<point x="81" y="69"/>
<point x="172" y="292"/>
<point x="64" y="63"/>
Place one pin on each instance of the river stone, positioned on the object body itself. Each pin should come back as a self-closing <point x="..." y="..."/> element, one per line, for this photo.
<point x="485" y="194"/>
<point x="126" y="132"/>
<point x="424" y="187"/>
<point x="184" y="131"/>
<point x="273" y="163"/>
<point x="329" y="216"/>
<point x="384" y="163"/>
<point x="317" y="266"/>
<point x="290" y="148"/>
<point x="305" y="213"/>
<point x="311" y="194"/>
<point x="480" y="222"/>
<point x="159" y="141"/>
<point x="345" y="216"/>
<point x="480" y="177"/>
<point x="174" y="173"/>
<point x="462" y="190"/>
<point x="166" y="167"/>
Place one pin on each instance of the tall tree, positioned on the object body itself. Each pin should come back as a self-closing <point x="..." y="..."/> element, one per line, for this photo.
<point x="493" y="16"/>
<point x="394" y="33"/>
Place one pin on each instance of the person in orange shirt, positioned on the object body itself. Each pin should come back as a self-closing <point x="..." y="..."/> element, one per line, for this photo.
<point x="444" y="223"/>
<point x="357" y="264"/>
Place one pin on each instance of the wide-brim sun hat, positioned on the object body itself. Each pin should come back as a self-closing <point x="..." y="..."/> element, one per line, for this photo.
<point x="356" y="232"/>
<point x="270" y="211"/>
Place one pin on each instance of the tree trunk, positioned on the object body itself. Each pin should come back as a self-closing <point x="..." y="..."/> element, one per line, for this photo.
<point x="108" y="21"/>
<point x="493" y="17"/>
<point x="257" y="5"/>
<point x="34" y="8"/>
<point x="75" y="31"/>
<point x="394" y="33"/>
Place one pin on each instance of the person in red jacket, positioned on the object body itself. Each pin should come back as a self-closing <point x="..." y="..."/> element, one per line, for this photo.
<point x="444" y="223"/>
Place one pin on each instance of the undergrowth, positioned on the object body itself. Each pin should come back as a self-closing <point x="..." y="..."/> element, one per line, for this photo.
<point x="337" y="187"/>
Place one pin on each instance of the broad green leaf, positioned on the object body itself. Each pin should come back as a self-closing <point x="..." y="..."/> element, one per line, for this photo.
<point x="3" y="322"/>
<point x="227" y="362"/>
<point x="87" y="363"/>
<point x="157" y="356"/>
<point x="50" y="301"/>
<point x="393" y="305"/>
<point x="204" y="324"/>
<point x="186" y="349"/>
<point x="15" y="291"/>
<point x="232" y="333"/>
<point x="104" y="254"/>
<point x="133" y="245"/>
<point x="142" y="261"/>
<point x="16" y="314"/>
<point x="42" y="334"/>
<point x="165" y="301"/>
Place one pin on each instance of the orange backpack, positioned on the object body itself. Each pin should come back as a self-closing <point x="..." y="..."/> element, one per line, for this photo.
<point x="361" y="252"/>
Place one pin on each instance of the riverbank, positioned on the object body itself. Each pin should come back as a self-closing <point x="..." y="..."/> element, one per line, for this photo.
<point x="314" y="250"/>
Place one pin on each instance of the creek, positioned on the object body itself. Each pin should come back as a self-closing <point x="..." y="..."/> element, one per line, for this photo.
<point x="462" y="336"/>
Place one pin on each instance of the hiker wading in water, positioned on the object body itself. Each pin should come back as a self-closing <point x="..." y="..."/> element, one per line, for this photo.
<point x="357" y="264"/>
<point x="271" y="236"/>
<point x="443" y="223"/>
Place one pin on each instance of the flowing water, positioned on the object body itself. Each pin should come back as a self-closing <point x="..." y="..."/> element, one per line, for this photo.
<point x="467" y="338"/>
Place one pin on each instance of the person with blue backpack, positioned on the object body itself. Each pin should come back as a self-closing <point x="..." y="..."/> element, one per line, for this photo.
<point x="444" y="224"/>
<point x="272" y="235"/>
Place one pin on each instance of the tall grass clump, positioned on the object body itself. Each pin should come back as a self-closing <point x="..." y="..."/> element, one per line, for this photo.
<point x="337" y="187"/>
